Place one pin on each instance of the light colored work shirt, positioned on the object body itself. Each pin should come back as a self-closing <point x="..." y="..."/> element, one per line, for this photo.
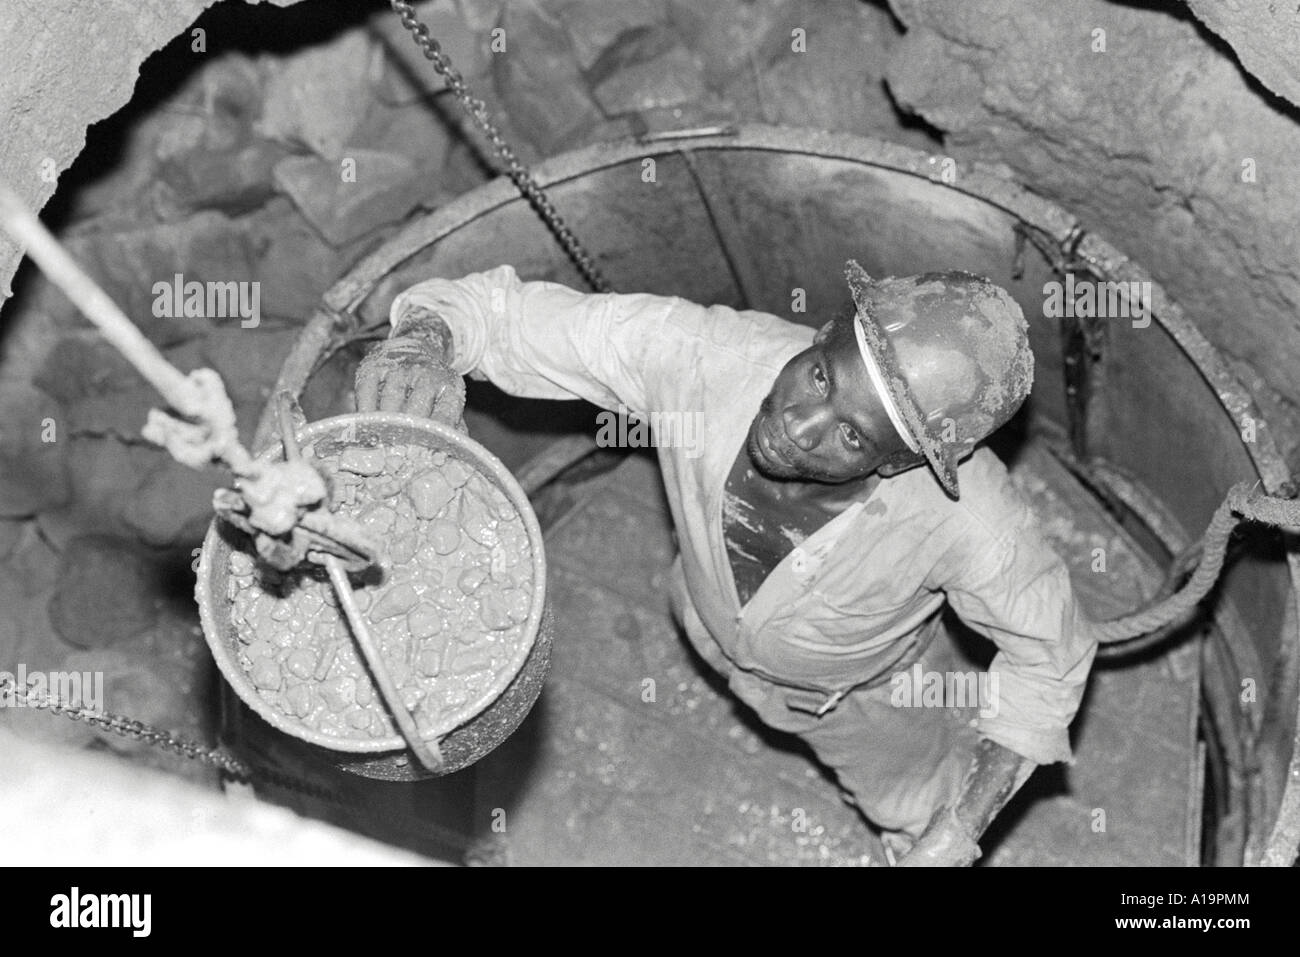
<point x="843" y="608"/>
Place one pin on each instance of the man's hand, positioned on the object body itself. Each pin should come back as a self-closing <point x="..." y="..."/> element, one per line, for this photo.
<point x="410" y="372"/>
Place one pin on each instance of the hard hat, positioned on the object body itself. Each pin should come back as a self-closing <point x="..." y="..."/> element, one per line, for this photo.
<point x="949" y="354"/>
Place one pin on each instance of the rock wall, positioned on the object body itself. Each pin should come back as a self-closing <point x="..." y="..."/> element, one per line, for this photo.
<point x="1265" y="36"/>
<point x="63" y="67"/>
<point x="1145" y="126"/>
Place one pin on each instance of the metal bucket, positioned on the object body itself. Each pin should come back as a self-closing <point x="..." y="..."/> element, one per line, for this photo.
<point x="494" y="715"/>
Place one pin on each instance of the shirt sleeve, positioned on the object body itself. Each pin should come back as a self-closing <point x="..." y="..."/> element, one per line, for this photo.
<point x="1012" y="587"/>
<point x="543" y="340"/>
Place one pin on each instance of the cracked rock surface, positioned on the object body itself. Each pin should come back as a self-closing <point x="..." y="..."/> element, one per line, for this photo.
<point x="1159" y="142"/>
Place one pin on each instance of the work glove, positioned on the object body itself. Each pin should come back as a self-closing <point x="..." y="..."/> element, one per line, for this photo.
<point x="409" y="372"/>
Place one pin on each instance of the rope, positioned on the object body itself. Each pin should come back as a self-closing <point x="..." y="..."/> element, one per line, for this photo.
<point x="275" y="498"/>
<point x="1242" y="503"/>
<point x="199" y="396"/>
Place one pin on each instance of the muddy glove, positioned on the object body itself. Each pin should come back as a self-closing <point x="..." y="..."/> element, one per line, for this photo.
<point x="411" y="372"/>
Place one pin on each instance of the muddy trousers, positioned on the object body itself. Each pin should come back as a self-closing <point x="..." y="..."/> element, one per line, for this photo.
<point x="898" y="764"/>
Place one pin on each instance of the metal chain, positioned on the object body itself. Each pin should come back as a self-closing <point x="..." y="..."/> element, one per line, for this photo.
<point x="516" y="170"/>
<point x="10" y="690"/>
<point x="123" y="727"/>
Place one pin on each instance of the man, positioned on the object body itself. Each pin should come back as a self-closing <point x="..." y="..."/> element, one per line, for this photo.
<point x="827" y="519"/>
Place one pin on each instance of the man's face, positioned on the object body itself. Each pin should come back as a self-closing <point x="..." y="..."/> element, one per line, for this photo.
<point x="822" y="420"/>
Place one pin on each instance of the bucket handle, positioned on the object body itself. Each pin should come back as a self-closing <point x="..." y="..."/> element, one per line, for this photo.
<point x="428" y="752"/>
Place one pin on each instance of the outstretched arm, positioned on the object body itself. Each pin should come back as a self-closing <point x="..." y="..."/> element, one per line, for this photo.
<point x="532" y="339"/>
<point x="543" y="340"/>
